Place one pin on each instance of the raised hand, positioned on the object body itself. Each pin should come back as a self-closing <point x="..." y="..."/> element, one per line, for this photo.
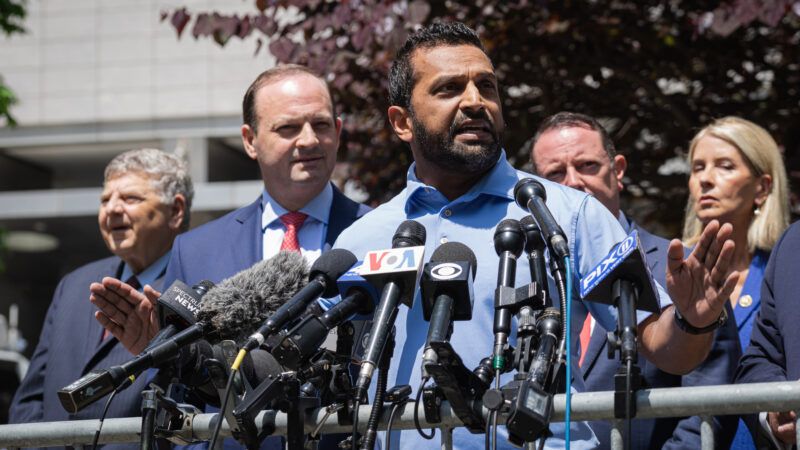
<point x="701" y="284"/>
<point x="125" y="312"/>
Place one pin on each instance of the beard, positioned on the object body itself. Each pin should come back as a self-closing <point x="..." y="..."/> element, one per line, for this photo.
<point x="442" y="150"/>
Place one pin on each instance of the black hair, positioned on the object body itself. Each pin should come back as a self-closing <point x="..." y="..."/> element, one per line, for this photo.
<point x="401" y="75"/>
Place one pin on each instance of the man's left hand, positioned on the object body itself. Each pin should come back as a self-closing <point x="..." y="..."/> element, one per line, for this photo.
<point x="701" y="284"/>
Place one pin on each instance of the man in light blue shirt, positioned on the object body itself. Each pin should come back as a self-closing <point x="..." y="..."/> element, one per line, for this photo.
<point x="446" y="106"/>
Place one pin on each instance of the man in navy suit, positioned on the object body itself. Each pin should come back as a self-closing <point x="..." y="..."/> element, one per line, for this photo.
<point x="774" y="351"/>
<point x="291" y="130"/>
<point x="575" y="150"/>
<point x="144" y="205"/>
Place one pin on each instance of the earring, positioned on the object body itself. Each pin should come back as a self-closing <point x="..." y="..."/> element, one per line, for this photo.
<point x="757" y="211"/>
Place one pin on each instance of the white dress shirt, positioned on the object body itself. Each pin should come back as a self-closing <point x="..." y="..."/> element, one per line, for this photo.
<point x="311" y="235"/>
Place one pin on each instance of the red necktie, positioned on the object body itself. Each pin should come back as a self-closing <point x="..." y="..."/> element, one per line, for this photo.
<point x="292" y="221"/>
<point x="586" y="336"/>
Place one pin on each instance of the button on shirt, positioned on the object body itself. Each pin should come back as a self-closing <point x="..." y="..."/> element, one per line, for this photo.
<point x="471" y="219"/>
<point x="311" y="235"/>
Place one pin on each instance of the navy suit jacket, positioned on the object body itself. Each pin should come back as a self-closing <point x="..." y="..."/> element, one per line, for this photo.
<point x="774" y="350"/>
<point x="69" y="347"/>
<point x="232" y="243"/>
<point x="667" y="433"/>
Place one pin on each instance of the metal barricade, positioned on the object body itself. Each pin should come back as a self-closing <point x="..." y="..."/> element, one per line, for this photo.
<point x="705" y="401"/>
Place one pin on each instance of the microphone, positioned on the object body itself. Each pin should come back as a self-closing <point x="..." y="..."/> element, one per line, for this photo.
<point x="509" y="240"/>
<point x="446" y="293"/>
<point x="534" y="247"/>
<point x="179" y="305"/>
<point x="305" y="339"/>
<point x="229" y="309"/>
<point x="322" y="282"/>
<point x="532" y="409"/>
<point x="401" y="264"/>
<point x="530" y="195"/>
<point x="260" y="365"/>
<point x="396" y="271"/>
<point x="625" y="261"/>
<point x="177" y="308"/>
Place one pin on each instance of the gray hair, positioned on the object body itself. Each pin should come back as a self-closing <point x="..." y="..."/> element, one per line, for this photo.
<point x="168" y="174"/>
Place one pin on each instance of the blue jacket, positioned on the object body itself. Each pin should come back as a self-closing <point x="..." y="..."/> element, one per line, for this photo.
<point x="69" y="347"/>
<point x="774" y="350"/>
<point x="666" y="433"/>
<point x="232" y="243"/>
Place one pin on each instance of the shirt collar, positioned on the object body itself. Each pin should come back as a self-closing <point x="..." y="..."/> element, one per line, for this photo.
<point x="150" y="274"/>
<point x="318" y="208"/>
<point x="626" y="225"/>
<point x="498" y="182"/>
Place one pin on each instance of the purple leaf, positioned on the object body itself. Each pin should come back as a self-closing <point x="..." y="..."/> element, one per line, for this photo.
<point x="361" y="38"/>
<point x="418" y="11"/>
<point x="283" y="49"/>
<point x="224" y="27"/>
<point x="772" y="11"/>
<point x="266" y="25"/>
<point x="342" y="80"/>
<point x="245" y="27"/>
<point x="179" y="20"/>
<point x="202" y="26"/>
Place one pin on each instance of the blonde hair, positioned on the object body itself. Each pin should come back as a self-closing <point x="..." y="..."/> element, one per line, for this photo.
<point x="761" y="153"/>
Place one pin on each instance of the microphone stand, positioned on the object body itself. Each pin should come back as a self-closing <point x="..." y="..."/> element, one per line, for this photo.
<point x="371" y="432"/>
<point x="152" y="398"/>
<point x="628" y="378"/>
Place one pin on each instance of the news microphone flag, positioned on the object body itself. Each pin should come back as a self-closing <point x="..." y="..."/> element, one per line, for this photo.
<point x="626" y="260"/>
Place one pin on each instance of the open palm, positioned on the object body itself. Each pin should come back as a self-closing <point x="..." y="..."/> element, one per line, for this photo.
<point x="701" y="284"/>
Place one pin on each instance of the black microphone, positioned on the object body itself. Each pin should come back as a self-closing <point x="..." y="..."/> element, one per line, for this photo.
<point x="530" y="413"/>
<point x="322" y="282"/>
<point x="229" y="310"/>
<point x="260" y="365"/>
<point x="305" y="339"/>
<point x="509" y="241"/>
<point x="530" y="195"/>
<point x="447" y="293"/>
<point x="534" y="247"/>
<point x="398" y="270"/>
<point x="177" y="308"/>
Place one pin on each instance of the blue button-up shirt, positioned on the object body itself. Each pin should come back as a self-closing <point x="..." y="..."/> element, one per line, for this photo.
<point x="471" y="219"/>
<point x="150" y="274"/>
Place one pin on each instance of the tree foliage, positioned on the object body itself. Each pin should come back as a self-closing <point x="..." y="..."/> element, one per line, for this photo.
<point x="654" y="72"/>
<point x="12" y="14"/>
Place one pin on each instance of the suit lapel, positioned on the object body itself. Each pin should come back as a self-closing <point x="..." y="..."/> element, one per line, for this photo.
<point x="343" y="213"/>
<point x="597" y="343"/>
<point x="246" y="247"/>
<point x="95" y="347"/>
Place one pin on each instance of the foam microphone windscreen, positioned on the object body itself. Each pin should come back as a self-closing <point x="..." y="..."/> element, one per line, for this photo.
<point x="238" y="305"/>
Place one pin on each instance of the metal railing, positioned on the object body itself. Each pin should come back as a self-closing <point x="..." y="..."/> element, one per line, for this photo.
<point x="704" y="401"/>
